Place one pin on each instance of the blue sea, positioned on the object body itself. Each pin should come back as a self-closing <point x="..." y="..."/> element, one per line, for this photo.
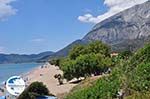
<point x="8" y="70"/>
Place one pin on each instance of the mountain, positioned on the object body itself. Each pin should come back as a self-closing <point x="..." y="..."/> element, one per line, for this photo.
<point x="131" y="24"/>
<point x="64" y="51"/>
<point x="17" y="58"/>
<point x="129" y="29"/>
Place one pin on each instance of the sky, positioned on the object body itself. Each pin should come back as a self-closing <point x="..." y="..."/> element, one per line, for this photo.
<point x="34" y="26"/>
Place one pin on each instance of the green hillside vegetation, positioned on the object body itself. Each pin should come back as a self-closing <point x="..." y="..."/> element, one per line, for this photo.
<point x="104" y="88"/>
<point x="129" y="76"/>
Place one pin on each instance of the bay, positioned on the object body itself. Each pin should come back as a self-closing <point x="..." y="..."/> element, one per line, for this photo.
<point x="8" y="70"/>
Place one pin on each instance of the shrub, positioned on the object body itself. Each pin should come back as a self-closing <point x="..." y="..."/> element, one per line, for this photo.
<point x="104" y="88"/>
<point x="141" y="56"/>
<point x="141" y="78"/>
<point x="35" y="89"/>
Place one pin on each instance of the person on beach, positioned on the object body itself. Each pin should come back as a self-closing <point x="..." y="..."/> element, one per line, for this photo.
<point x="60" y="78"/>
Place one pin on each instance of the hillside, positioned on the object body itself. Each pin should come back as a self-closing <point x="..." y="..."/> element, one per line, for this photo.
<point x="17" y="58"/>
<point x="129" y="79"/>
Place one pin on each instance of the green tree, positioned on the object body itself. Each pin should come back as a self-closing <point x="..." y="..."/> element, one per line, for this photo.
<point x="93" y="47"/>
<point x="68" y="69"/>
<point x="85" y="60"/>
<point x="85" y="65"/>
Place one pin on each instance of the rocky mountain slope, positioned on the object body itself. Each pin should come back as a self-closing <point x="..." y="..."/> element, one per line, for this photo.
<point x="133" y="23"/>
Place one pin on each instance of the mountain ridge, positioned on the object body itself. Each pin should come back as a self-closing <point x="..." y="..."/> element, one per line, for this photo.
<point x="131" y="23"/>
<point x="22" y="58"/>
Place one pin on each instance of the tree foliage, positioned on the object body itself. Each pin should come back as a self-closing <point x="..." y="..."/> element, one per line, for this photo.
<point x="98" y="47"/>
<point x="85" y="65"/>
<point x="83" y="61"/>
<point x="93" y="47"/>
<point x="77" y="51"/>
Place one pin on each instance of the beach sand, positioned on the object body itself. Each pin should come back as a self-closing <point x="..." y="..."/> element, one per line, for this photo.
<point x="46" y="74"/>
<point x="1" y="93"/>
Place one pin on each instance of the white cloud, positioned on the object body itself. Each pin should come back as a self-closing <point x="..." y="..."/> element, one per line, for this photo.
<point x="38" y="40"/>
<point x="6" y="9"/>
<point x="87" y="18"/>
<point x="115" y="6"/>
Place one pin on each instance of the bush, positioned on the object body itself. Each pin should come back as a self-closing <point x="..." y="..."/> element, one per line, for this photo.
<point x="104" y="88"/>
<point x="141" y="78"/>
<point x="141" y="56"/>
<point x="35" y="89"/>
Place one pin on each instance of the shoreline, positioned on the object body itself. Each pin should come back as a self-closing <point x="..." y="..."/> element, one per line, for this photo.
<point x="22" y="63"/>
<point x="45" y="73"/>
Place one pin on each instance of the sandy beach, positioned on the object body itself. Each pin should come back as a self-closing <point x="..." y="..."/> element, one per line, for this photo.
<point x="46" y="74"/>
